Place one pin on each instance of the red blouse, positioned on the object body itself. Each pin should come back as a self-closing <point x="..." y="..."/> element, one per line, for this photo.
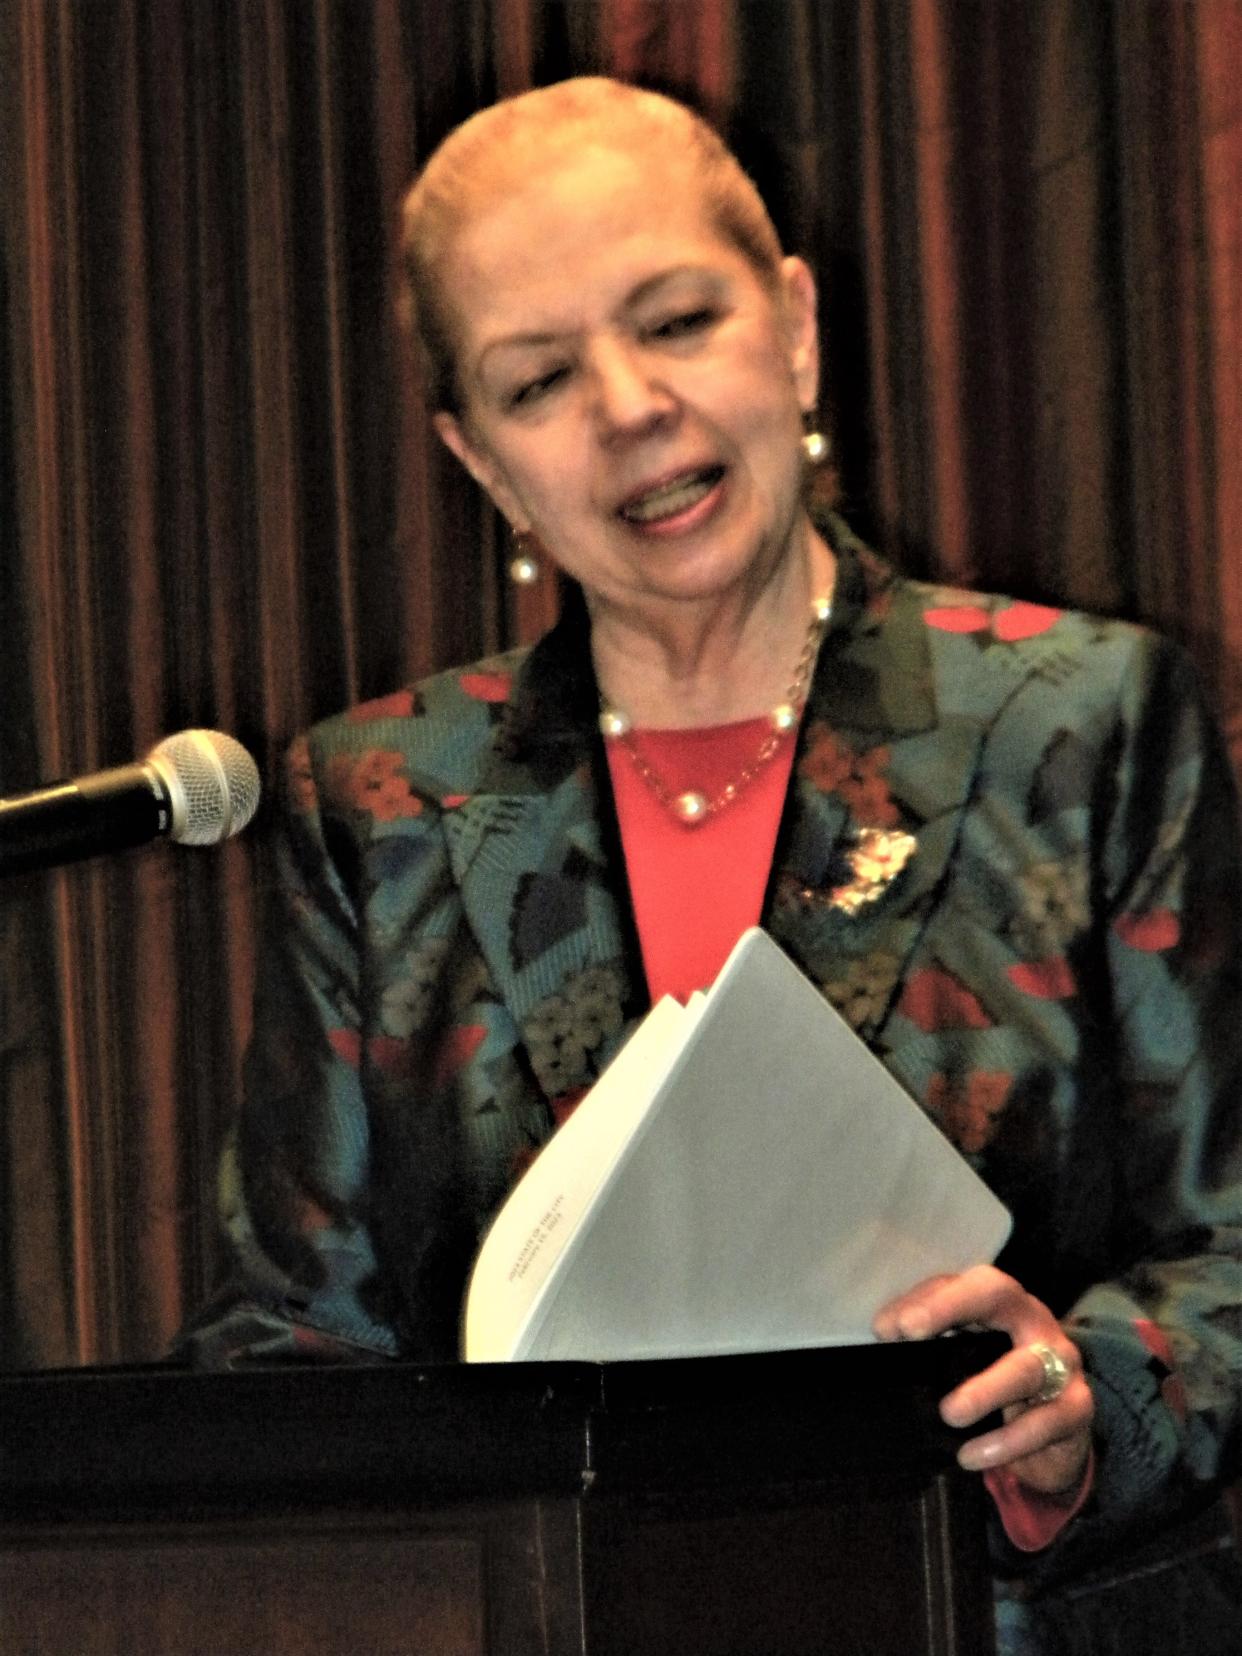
<point x="696" y="889"/>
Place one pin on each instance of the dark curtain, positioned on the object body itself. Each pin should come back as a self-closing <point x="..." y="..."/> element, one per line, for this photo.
<point x="221" y="503"/>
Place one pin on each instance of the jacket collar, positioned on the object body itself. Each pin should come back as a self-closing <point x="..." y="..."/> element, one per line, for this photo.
<point x="873" y="695"/>
<point x="873" y="675"/>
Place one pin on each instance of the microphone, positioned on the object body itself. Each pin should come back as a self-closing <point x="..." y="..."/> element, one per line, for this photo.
<point x="196" y="787"/>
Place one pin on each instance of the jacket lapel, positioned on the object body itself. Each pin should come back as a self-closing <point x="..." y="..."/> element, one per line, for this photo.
<point x="542" y="893"/>
<point x="875" y="757"/>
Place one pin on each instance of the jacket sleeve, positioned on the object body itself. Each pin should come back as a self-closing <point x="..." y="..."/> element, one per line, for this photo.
<point x="1162" y="1341"/>
<point x="295" y="1178"/>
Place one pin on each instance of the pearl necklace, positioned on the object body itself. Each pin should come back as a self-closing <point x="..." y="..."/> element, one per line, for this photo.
<point x="693" y="806"/>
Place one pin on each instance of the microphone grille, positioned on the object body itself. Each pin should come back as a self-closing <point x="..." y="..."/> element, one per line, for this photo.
<point x="212" y="782"/>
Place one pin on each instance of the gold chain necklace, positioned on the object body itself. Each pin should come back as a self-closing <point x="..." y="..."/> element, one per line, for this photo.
<point x="693" y="807"/>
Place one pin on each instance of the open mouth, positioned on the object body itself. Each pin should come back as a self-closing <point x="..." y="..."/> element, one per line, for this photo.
<point x="670" y="499"/>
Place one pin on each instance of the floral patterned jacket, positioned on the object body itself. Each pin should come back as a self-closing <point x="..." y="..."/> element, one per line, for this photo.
<point x="1054" y="976"/>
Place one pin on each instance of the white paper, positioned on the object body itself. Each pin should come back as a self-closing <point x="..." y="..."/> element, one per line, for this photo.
<point x="746" y="1176"/>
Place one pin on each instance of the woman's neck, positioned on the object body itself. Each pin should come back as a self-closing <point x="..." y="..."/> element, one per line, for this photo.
<point x="711" y="663"/>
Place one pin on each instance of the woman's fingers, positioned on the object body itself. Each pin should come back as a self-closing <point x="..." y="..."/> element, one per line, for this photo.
<point x="1038" y="1386"/>
<point x="1018" y="1381"/>
<point x="1045" y="1441"/>
<point x="982" y="1295"/>
<point x="1031" y="1432"/>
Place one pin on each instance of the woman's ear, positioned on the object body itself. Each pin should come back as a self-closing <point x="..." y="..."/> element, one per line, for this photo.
<point x="800" y="303"/>
<point x="454" y="435"/>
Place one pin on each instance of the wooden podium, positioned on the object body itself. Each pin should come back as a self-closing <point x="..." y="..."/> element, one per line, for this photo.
<point x="743" y="1506"/>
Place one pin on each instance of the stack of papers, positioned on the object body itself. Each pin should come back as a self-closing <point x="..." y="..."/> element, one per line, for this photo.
<point x="745" y="1176"/>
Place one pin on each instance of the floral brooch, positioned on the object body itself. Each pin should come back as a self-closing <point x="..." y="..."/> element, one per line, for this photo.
<point x="874" y="860"/>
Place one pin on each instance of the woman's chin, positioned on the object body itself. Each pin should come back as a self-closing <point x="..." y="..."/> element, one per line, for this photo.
<point x="702" y="574"/>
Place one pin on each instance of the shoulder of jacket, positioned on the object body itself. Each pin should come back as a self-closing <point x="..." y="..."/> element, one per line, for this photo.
<point x="438" y="732"/>
<point x="1025" y="628"/>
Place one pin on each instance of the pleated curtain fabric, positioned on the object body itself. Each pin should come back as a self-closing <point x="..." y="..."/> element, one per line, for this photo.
<point x="222" y="504"/>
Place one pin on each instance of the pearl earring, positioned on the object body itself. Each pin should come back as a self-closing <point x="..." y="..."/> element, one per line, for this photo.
<point x="815" y="447"/>
<point x="524" y="567"/>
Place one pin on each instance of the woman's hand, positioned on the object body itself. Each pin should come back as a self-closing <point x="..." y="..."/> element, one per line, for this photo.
<point x="1045" y="1443"/>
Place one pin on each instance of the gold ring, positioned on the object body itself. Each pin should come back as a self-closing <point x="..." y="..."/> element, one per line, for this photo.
<point x="1056" y="1373"/>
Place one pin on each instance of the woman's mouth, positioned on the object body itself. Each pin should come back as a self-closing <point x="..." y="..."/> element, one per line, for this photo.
<point x="673" y="498"/>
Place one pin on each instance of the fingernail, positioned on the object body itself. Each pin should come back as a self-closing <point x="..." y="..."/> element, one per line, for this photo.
<point x="915" y="1325"/>
<point x="977" y="1457"/>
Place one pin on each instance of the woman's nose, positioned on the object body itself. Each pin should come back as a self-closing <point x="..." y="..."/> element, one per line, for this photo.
<point x="629" y="395"/>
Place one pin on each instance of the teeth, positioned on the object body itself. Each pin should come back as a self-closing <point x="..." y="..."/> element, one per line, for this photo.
<point x="671" y="498"/>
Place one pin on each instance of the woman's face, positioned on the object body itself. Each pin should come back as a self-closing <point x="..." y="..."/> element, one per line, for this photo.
<point x="632" y="390"/>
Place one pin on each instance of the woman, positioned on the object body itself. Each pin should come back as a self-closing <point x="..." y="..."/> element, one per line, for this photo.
<point x="481" y="890"/>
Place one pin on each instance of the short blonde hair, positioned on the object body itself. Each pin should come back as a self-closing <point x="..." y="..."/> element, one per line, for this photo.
<point x="496" y="150"/>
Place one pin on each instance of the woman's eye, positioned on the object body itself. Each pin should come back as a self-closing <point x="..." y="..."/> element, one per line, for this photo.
<point x="684" y="322"/>
<point x="532" y="389"/>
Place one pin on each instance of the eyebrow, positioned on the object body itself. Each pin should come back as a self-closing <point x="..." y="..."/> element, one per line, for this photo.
<point x="635" y="296"/>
